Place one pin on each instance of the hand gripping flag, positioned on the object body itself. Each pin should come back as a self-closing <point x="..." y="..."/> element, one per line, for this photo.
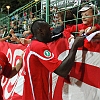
<point x="87" y="42"/>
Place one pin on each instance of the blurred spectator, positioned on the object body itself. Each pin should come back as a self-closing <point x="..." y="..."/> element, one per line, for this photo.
<point x="16" y="17"/>
<point x="56" y="32"/>
<point x="44" y="14"/>
<point x="30" y="19"/>
<point x="27" y="37"/>
<point x="17" y="29"/>
<point x="3" y="38"/>
<point x="24" y="25"/>
<point x="12" y="18"/>
<point x="55" y="16"/>
<point x="1" y="31"/>
<point x="69" y="18"/>
<point x="25" y="15"/>
<point x="60" y="18"/>
<point x="88" y="24"/>
<point x="27" y="34"/>
<point x="5" y="32"/>
<point x="34" y="17"/>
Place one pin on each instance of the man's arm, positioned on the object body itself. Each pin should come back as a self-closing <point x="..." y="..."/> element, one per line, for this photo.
<point x="25" y="41"/>
<point x="16" y="68"/>
<point x="5" y="38"/>
<point x="68" y="62"/>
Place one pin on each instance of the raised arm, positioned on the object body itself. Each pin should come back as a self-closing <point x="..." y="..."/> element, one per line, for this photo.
<point x="66" y="65"/>
<point x="16" y="68"/>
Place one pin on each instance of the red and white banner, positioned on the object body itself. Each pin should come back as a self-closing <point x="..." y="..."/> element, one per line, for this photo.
<point x="84" y="76"/>
<point x="84" y="81"/>
<point x="12" y="88"/>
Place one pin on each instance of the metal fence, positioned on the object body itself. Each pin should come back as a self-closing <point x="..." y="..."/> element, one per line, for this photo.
<point x="49" y="10"/>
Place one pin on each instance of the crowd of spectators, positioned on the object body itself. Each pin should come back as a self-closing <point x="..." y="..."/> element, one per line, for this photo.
<point x="20" y="24"/>
<point x="63" y="22"/>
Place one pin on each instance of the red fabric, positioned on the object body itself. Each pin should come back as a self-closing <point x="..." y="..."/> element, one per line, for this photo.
<point x="2" y="64"/>
<point x="58" y="90"/>
<point x="76" y="28"/>
<point x="6" y="66"/>
<point x="29" y="36"/>
<point x="39" y="65"/>
<point x="80" y="70"/>
<point x="85" y="72"/>
<point x="5" y="69"/>
<point x="1" y="92"/>
<point x="58" y="47"/>
<point x="11" y="88"/>
<point x="3" y="57"/>
<point x="87" y="44"/>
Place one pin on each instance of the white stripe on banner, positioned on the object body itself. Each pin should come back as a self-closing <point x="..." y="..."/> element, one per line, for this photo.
<point x="86" y="57"/>
<point x="92" y="35"/>
<point x="89" y="92"/>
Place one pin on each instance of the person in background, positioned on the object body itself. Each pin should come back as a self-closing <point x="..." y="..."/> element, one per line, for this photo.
<point x="69" y="19"/>
<point x="39" y="61"/>
<point x="27" y="36"/>
<point x="18" y="30"/>
<point x="5" y="32"/>
<point x="66" y="20"/>
<point x="44" y="13"/>
<point x="5" y="38"/>
<point x="7" y="70"/>
<point x="88" y="24"/>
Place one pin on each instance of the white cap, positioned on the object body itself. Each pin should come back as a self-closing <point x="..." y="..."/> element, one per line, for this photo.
<point x="87" y="7"/>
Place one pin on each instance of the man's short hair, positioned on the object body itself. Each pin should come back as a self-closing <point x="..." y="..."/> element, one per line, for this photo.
<point x="34" y="25"/>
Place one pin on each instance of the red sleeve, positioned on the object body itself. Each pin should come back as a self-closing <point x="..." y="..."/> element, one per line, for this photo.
<point x="7" y="70"/>
<point x="29" y="36"/>
<point x="97" y="26"/>
<point x="68" y="31"/>
<point x="47" y="58"/>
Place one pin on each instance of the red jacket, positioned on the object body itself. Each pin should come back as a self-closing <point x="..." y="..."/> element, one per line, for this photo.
<point x="76" y="28"/>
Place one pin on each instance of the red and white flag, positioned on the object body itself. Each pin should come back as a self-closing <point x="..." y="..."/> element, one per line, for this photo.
<point x="84" y="81"/>
<point x="81" y="80"/>
<point x="12" y="88"/>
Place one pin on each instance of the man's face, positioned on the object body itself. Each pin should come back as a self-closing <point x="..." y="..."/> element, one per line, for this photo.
<point x="87" y="17"/>
<point x="47" y="34"/>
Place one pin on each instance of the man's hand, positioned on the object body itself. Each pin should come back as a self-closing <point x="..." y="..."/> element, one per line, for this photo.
<point x="81" y="32"/>
<point x="11" y="31"/>
<point x="79" y="41"/>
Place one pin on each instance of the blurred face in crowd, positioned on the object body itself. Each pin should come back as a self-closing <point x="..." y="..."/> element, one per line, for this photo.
<point x="87" y="17"/>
